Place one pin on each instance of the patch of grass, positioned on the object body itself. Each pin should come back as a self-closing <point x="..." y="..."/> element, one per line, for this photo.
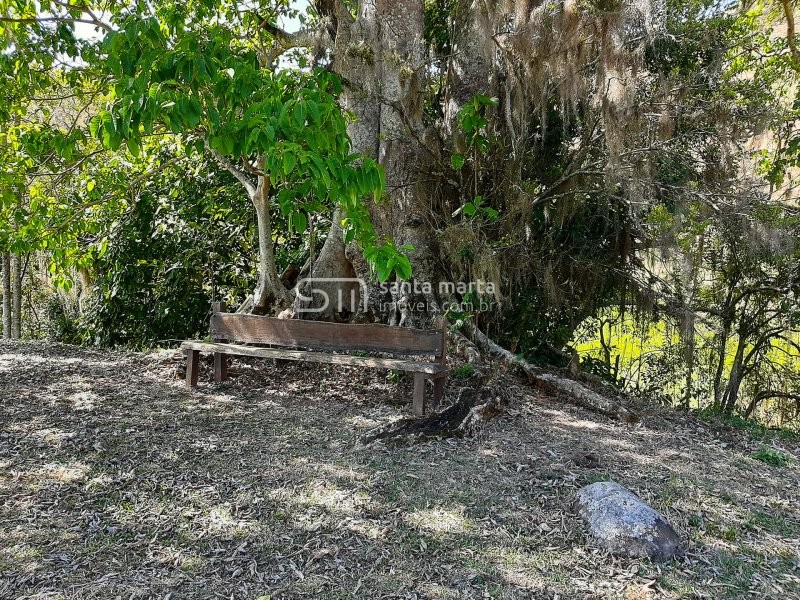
<point x="730" y="534"/>
<point x="191" y="565"/>
<point x="695" y="520"/>
<point x="465" y="371"/>
<point x="774" y="523"/>
<point x="773" y="457"/>
<point x="395" y="376"/>
<point x="597" y="477"/>
<point x="714" y="416"/>
<point x="736" y="572"/>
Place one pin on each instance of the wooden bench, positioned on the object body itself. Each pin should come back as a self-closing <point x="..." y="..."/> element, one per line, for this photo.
<point x="317" y="341"/>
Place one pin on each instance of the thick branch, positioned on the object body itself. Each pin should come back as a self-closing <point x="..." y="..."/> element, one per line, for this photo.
<point x="579" y="394"/>
<point x="761" y="396"/>
<point x="336" y="9"/>
<point x="305" y="38"/>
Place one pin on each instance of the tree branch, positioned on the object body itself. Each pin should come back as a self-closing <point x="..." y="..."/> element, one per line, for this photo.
<point x="761" y="396"/>
<point x="304" y="38"/>
<point x="577" y="393"/>
<point x="336" y="9"/>
<point x="248" y="183"/>
<point x="33" y="21"/>
<point x="788" y="10"/>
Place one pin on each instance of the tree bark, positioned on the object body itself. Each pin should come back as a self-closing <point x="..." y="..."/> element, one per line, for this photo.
<point x="722" y="351"/>
<point x="270" y="293"/>
<point x="381" y="58"/>
<point x="6" y="268"/>
<point x="329" y="290"/>
<point x="16" y="297"/>
<point x="731" y="396"/>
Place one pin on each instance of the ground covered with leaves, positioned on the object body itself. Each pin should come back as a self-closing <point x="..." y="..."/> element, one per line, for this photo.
<point x="116" y="481"/>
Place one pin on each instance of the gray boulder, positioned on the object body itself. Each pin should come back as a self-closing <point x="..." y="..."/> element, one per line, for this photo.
<point x="623" y="523"/>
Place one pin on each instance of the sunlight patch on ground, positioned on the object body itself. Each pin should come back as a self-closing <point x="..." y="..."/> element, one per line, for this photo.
<point x="53" y="472"/>
<point x="323" y="494"/>
<point x="84" y="400"/>
<point x="7" y="361"/>
<point x="65" y="473"/>
<point x="25" y="557"/>
<point x="440" y="520"/>
<point x="362" y="422"/>
<point x="337" y="471"/>
<point x="51" y="436"/>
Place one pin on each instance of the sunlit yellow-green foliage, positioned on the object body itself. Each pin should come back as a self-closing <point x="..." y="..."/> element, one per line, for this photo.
<point x="631" y="349"/>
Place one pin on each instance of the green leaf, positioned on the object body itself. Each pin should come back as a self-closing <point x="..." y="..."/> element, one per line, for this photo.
<point x="133" y="146"/>
<point x="403" y="267"/>
<point x="457" y="160"/>
<point x="289" y="161"/>
<point x="300" y="222"/>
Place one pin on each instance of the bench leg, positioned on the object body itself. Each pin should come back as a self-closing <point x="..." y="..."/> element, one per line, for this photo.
<point x="220" y="366"/>
<point x="418" y="407"/>
<point x="192" y="367"/>
<point x="438" y="391"/>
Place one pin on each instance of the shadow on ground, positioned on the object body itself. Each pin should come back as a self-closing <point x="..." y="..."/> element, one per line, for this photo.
<point x="117" y="481"/>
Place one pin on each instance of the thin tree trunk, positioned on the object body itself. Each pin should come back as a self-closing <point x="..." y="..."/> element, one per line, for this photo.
<point x="270" y="292"/>
<point x="16" y="297"/>
<point x="722" y="353"/>
<point x="6" y="267"/>
<point x="731" y="395"/>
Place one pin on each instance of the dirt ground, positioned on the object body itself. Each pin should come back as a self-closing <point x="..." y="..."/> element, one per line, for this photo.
<point x="117" y="482"/>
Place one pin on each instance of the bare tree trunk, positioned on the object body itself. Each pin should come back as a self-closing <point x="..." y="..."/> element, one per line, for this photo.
<point x="336" y="295"/>
<point x="16" y="297"/>
<point x="6" y="267"/>
<point x="722" y="353"/>
<point x="731" y="396"/>
<point x="270" y="292"/>
<point x="385" y="81"/>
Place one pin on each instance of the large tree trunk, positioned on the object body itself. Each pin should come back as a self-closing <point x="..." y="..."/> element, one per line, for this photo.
<point x="16" y="297"/>
<point x="329" y="290"/>
<point x="381" y="57"/>
<point x="6" y="268"/>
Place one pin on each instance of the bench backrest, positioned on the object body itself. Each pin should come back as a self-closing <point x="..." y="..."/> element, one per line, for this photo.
<point x="321" y="335"/>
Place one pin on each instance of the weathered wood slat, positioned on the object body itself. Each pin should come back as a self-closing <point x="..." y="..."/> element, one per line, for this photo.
<point x="429" y="368"/>
<point x="192" y="367"/>
<point x="418" y="402"/>
<point x="326" y="336"/>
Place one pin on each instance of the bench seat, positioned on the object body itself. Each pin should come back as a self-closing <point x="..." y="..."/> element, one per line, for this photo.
<point x="400" y="364"/>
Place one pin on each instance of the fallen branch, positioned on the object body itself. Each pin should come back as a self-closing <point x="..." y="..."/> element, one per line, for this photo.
<point x="576" y="392"/>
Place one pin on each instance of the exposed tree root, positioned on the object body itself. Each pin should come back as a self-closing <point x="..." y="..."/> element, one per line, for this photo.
<point x="573" y="391"/>
<point x="473" y="409"/>
<point x="478" y="405"/>
<point x="464" y="347"/>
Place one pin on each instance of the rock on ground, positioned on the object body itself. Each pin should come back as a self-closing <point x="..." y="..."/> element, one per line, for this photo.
<point x="623" y="523"/>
